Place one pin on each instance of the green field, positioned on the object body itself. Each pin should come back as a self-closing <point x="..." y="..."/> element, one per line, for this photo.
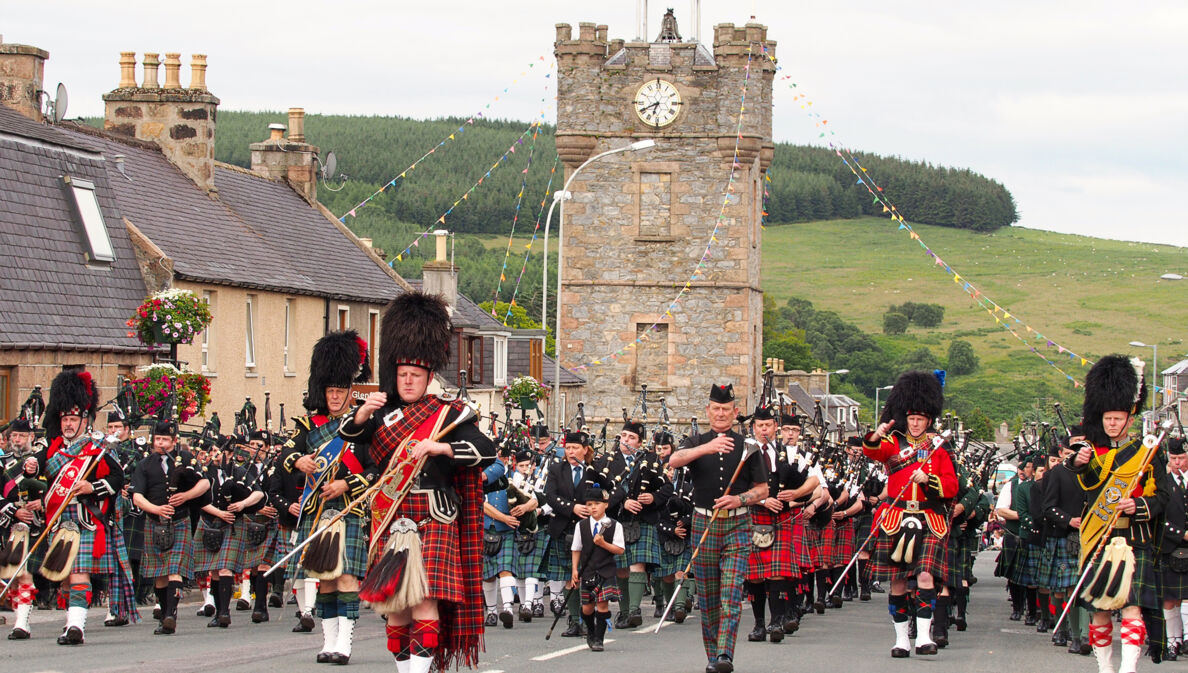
<point x="1090" y="295"/>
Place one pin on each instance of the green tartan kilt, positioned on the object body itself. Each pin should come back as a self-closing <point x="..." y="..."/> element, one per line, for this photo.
<point x="133" y="525"/>
<point x="1061" y="560"/>
<point x="178" y="560"/>
<point x="559" y="558"/>
<point x="1173" y="585"/>
<point x="229" y="556"/>
<point x="1027" y="566"/>
<point x="355" y="547"/>
<point x="86" y="562"/>
<point x="645" y="550"/>
<point x="670" y="565"/>
<point x="258" y="554"/>
<point x="278" y="547"/>
<point x="504" y="560"/>
<point x="1144" y="584"/>
<point x="532" y="564"/>
<point x="1010" y="556"/>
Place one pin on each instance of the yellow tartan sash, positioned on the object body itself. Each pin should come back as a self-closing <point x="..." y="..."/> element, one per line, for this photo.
<point x="1117" y="482"/>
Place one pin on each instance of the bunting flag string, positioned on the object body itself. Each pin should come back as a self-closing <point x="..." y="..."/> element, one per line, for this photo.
<point x="478" y="116"/>
<point x="1034" y="340"/>
<point x="699" y="269"/>
<point x="528" y="247"/>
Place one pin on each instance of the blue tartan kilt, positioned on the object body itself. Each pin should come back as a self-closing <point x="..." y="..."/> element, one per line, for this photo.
<point x="178" y="560"/>
<point x="1061" y="561"/>
<point x="504" y="560"/>
<point x="230" y="555"/>
<point x="86" y="562"/>
<point x="532" y="564"/>
<point x="645" y="550"/>
<point x="354" y="547"/>
<point x="670" y="564"/>
<point x="278" y="547"/>
<point x="133" y="525"/>
<point x="1028" y="564"/>
<point x="559" y="558"/>
<point x="257" y="555"/>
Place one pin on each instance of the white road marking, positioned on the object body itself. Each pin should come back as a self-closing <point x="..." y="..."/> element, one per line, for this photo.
<point x="568" y="650"/>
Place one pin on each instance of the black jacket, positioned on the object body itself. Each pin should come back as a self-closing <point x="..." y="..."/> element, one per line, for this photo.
<point x="561" y="495"/>
<point x="1064" y="500"/>
<point x="1175" y="518"/>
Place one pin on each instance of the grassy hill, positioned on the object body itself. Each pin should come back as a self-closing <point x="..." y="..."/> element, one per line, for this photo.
<point x="1091" y="295"/>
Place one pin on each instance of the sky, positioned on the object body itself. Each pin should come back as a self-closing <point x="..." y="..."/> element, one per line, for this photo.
<point x="1078" y="108"/>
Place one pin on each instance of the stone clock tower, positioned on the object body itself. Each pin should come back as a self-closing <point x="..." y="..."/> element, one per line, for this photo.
<point x="639" y="221"/>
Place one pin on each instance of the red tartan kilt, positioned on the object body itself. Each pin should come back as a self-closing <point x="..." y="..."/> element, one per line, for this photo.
<point x="440" y="547"/>
<point x="843" y="542"/>
<point x="776" y="560"/>
<point x="930" y="559"/>
<point x="801" y="558"/>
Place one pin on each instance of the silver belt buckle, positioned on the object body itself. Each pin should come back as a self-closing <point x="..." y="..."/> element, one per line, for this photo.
<point x="912" y="506"/>
<point x="403" y="525"/>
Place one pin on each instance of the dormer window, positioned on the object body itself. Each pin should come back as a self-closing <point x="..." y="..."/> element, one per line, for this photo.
<point x="89" y="218"/>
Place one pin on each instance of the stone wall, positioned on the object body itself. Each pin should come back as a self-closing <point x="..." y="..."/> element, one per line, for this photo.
<point x="29" y="368"/>
<point x="22" y="74"/>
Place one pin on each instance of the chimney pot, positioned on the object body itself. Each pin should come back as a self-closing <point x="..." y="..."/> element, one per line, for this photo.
<point x="442" y="236"/>
<point x="276" y="132"/>
<point x="172" y="71"/>
<point x="152" y="64"/>
<point x="198" y="72"/>
<point x="297" y="124"/>
<point x="127" y="70"/>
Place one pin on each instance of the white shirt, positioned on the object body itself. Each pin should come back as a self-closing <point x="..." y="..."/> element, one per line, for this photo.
<point x="1004" y="496"/>
<point x="600" y="523"/>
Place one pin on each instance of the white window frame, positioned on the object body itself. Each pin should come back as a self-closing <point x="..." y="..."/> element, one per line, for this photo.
<point x="343" y="324"/>
<point x="288" y="335"/>
<point x="207" y="361"/>
<point x="250" y="333"/>
<point x="90" y="218"/>
<point x="373" y="317"/>
<point x="499" y="360"/>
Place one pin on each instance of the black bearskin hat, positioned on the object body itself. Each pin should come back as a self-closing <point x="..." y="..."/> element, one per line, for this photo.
<point x="1115" y="383"/>
<point x="71" y="391"/>
<point x="338" y="360"/>
<point x="914" y="392"/>
<point x="416" y="330"/>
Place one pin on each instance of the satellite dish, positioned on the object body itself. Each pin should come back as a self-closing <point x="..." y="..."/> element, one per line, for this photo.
<point x="61" y="101"/>
<point x="330" y="166"/>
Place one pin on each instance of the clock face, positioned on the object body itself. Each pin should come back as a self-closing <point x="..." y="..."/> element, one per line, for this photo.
<point x="657" y="103"/>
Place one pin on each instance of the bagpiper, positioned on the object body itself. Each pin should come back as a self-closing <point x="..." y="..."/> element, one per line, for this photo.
<point x="565" y="496"/>
<point x="22" y="519"/>
<point x="426" y="523"/>
<point x="911" y="527"/>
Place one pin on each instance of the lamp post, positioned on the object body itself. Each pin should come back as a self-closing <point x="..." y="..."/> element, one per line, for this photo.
<point x="1154" y="373"/>
<point x="562" y="196"/>
<point x="876" y="407"/>
<point x="836" y="371"/>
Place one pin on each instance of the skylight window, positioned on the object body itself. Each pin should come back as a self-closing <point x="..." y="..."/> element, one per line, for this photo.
<point x="90" y="219"/>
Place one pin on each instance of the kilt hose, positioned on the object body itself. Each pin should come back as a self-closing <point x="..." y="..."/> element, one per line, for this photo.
<point x="1145" y="590"/>
<point x="532" y="564"/>
<point x="257" y="555"/>
<point x="645" y="550"/>
<point x="930" y="558"/>
<point x="776" y="560"/>
<point x="1061" y="559"/>
<point x="229" y="556"/>
<point x="720" y="567"/>
<point x="503" y="560"/>
<point x="607" y="591"/>
<point x="843" y="542"/>
<point x="558" y="561"/>
<point x="354" y="547"/>
<point x="441" y="549"/>
<point x="177" y="560"/>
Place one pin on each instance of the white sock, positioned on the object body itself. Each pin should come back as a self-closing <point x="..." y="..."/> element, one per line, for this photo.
<point x="507" y="586"/>
<point x="245" y="589"/>
<point x="490" y="590"/>
<point x="311" y="594"/>
<point x="402" y="666"/>
<point x="299" y="594"/>
<point x="346" y="629"/>
<point x="522" y="593"/>
<point x="419" y="664"/>
<point x="531" y="591"/>
<point x="329" y="634"/>
<point x="1175" y="624"/>
<point x="207" y="597"/>
<point x="22" y="617"/>
<point x="557" y="588"/>
<point x="902" y="642"/>
<point x="76" y="616"/>
<point x="924" y="631"/>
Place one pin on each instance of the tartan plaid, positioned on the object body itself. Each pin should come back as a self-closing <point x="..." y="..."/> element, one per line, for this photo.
<point x="559" y="563"/>
<point x="388" y="438"/>
<point x="85" y="562"/>
<point x="355" y="547"/>
<point x="505" y="560"/>
<point x="606" y="591"/>
<point x="231" y="554"/>
<point x="1027" y="569"/>
<point x="133" y="525"/>
<point x="814" y="545"/>
<point x="278" y="548"/>
<point x="645" y="550"/>
<point x="121" y="584"/>
<point x="801" y="551"/>
<point x="1173" y="585"/>
<point x="178" y="560"/>
<point x="776" y="560"/>
<point x="720" y="566"/>
<point x="930" y="558"/>
<point x="1061" y="560"/>
<point x="1010" y="556"/>
<point x="843" y="541"/>
<point x="440" y="549"/>
<point x="954" y="561"/>
<point x="532" y="565"/>
<point x="254" y="556"/>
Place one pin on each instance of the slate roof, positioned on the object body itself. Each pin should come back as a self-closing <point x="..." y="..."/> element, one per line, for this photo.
<point x="257" y="233"/>
<point x="49" y="297"/>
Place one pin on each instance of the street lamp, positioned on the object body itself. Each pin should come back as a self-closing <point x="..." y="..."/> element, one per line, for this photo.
<point x="1154" y="372"/>
<point x="876" y="407"/>
<point x="562" y="196"/>
<point x="836" y="371"/>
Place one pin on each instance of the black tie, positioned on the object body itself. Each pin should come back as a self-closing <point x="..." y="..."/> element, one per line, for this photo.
<point x="577" y="475"/>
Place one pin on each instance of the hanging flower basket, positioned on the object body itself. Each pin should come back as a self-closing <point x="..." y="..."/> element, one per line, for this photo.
<point x="525" y="392"/>
<point x="158" y="381"/>
<point x="170" y="317"/>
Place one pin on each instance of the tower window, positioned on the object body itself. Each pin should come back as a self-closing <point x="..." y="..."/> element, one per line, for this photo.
<point x="655" y="205"/>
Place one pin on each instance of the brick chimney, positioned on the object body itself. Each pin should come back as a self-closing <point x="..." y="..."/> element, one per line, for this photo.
<point x="180" y="120"/>
<point x="290" y="159"/>
<point x="22" y="69"/>
<point x="439" y="276"/>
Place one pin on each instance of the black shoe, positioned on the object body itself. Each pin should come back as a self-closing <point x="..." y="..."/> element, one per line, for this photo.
<point x="1060" y="638"/>
<point x="865" y="595"/>
<point x="292" y="600"/>
<point x="635" y="618"/>
<point x="1156" y="654"/>
<point x="941" y="640"/>
<point x="930" y="648"/>
<point x="658" y="612"/>
<point x="835" y="601"/>
<point x="18" y="634"/>
<point x="724" y="664"/>
<point x="757" y="634"/>
<point x="900" y="653"/>
<point x="505" y="616"/>
<point x="1031" y="620"/>
<point x="71" y="636"/>
<point x="213" y="623"/>
<point x="260" y="616"/>
<point x="243" y="605"/>
<point x="1171" y="654"/>
<point x="621" y="619"/>
<point x="1016" y="615"/>
<point x="491" y="619"/>
<point x="960" y="623"/>
<point x="775" y="632"/>
<point x="1074" y="645"/>
<point x="538" y="609"/>
<point x="557" y="606"/>
<point x="275" y="601"/>
<point x="162" y="631"/>
<point x="1086" y="648"/>
<point x="791" y="624"/>
<point x="115" y="621"/>
<point x="679" y="614"/>
<point x="877" y="588"/>
<point x="157" y="613"/>
<point x="525" y="613"/>
<point x="323" y="657"/>
<point x="819" y="607"/>
<point x="1043" y="626"/>
<point x="207" y="610"/>
<point x="305" y="623"/>
<point x="339" y="658"/>
<point x="711" y="667"/>
<point x="574" y="630"/>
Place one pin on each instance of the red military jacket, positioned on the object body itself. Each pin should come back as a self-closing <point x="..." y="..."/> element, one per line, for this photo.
<point x="902" y="458"/>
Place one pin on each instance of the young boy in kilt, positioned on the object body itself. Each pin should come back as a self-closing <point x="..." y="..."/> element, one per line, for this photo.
<point x="912" y="526"/>
<point x="1114" y="393"/>
<point x="594" y="565"/>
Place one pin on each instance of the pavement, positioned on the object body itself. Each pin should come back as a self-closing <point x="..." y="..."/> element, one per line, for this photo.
<point x="856" y="638"/>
